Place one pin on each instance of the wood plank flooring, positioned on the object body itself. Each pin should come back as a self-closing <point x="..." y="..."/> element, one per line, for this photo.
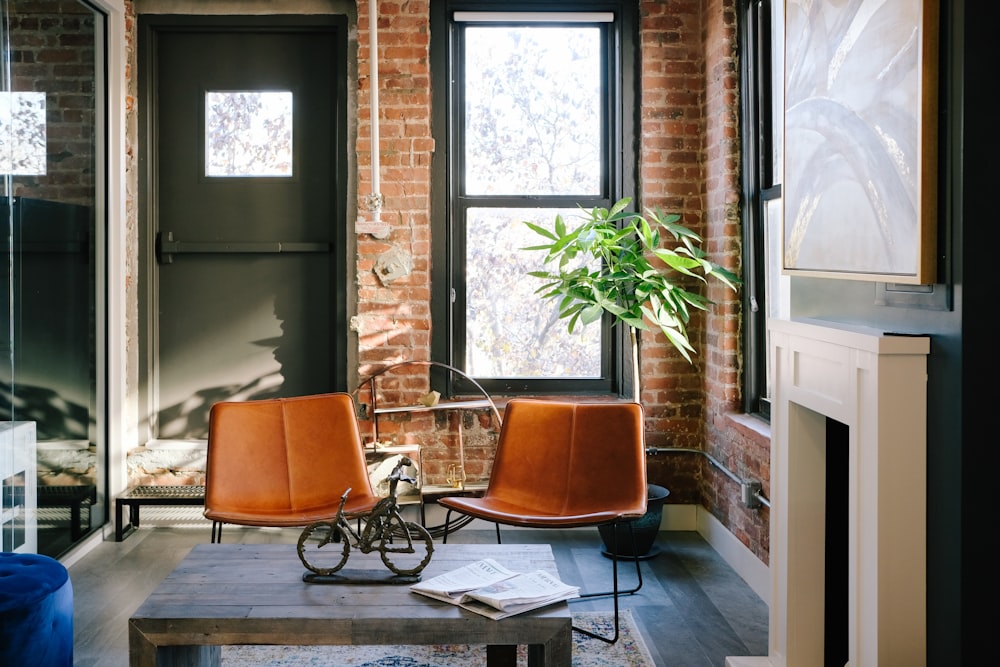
<point x="693" y="610"/>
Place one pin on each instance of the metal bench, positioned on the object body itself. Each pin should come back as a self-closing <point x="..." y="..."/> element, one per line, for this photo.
<point x="75" y="497"/>
<point x="137" y="496"/>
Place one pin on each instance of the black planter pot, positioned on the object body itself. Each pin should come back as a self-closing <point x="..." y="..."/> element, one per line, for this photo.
<point x="645" y="529"/>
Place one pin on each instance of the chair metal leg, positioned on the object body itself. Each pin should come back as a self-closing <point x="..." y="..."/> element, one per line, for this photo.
<point x="614" y="569"/>
<point x="216" y="532"/>
<point x="615" y="592"/>
<point x="447" y="520"/>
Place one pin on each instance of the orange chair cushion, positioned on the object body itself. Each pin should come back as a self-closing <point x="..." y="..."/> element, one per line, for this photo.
<point x="285" y="462"/>
<point x="562" y="464"/>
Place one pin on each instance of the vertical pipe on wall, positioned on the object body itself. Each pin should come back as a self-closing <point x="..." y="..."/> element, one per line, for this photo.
<point x="375" y="203"/>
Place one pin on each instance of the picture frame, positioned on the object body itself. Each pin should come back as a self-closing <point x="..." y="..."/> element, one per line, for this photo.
<point x="860" y="140"/>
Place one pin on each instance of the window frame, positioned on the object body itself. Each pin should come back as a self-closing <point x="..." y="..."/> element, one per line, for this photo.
<point x="450" y="202"/>
<point x="761" y="185"/>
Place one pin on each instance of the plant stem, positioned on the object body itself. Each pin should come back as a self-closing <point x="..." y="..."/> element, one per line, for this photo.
<point x="634" y="340"/>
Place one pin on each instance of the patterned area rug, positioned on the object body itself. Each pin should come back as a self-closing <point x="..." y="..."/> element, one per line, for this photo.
<point x="629" y="651"/>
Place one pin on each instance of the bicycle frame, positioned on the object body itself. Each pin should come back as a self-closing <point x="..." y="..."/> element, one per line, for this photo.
<point x="382" y="526"/>
<point x="377" y="532"/>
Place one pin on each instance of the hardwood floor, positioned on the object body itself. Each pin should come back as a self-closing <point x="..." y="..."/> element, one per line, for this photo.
<point x="693" y="610"/>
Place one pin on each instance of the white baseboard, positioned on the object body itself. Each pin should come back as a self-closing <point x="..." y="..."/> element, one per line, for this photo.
<point x="679" y="517"/>
<point x="748" y="662"/>
<point x="740" y="558"/>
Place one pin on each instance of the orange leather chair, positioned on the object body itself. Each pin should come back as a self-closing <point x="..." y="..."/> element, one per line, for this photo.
<point x="564" y="465"/>
<point x="284" y="462"/>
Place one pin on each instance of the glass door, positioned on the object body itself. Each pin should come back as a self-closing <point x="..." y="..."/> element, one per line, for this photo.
<point x="14" y="535"/>
<point x="52" y="206"/>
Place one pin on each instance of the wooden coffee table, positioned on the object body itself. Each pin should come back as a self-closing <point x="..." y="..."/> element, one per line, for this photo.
<point x="226" y="594"/>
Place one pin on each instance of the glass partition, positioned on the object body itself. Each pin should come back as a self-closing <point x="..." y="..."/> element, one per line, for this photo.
<point x="12" y="483"/>
<point x="51" y="203"/>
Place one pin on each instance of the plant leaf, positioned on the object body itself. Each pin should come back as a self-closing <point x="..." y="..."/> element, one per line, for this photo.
<point x="619" y="278"/>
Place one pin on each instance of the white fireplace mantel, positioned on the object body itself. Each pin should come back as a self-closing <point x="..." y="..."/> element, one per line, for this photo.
<point x="876" y="384"/>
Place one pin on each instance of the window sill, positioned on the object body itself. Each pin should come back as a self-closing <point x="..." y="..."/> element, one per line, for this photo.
<point x="750" y="426"/>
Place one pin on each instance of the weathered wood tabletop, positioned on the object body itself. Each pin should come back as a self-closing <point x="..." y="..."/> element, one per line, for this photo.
<point x="226" y="594"/>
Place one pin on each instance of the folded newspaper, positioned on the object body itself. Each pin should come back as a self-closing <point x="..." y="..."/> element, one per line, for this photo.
<point x="486" y="587"/>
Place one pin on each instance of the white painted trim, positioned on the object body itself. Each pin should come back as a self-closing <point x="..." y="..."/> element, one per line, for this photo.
<point x="875" y="384"/>
<point x="745" y="563"/>
<point x="679" y="517"/>
<point x="178" y="445"/>
<point x="748" y="662"/>
<point x="120" y="419"/>
<point x="88" y="544"/>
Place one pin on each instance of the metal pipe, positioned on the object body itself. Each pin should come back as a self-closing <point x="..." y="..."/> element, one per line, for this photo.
<point x="653" y="451"/>
<point x="376" y="197"/>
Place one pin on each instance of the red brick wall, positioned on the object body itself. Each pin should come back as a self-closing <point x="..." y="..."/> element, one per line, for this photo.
<point x="52" y="52"/>
<point x="393" y="321"/>
<point x="741" y="450"/>
<point x="689" y="163"/>
<point x="672" y="177"/>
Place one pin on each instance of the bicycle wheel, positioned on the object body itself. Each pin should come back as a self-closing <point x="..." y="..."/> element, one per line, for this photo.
<point x="406" y="547"/>
<point x="324" y="547"/>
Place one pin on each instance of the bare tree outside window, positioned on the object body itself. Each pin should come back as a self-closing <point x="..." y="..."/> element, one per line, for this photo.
<point x="23" y="149"/>
<point x="533" y="111"/>
<point x="533" y="128"/>
<point x="511" y="331"/>
<point x="248" y="133"/>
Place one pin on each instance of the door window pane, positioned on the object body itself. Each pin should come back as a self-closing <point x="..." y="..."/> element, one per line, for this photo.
<point x="248" y="133"/>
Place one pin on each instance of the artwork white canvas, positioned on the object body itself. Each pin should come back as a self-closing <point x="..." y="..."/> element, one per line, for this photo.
<point x="859" y="185"/>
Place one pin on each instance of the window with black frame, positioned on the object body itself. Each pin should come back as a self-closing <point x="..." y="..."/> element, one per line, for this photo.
<point x="765" y="289"/>
<point x="537" y="124"/>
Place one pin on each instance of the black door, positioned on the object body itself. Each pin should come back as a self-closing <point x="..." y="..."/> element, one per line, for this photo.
<point x="245" y="208"/>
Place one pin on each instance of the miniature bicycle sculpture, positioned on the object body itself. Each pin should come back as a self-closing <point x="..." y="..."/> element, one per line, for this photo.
<point x="406" y="547"/>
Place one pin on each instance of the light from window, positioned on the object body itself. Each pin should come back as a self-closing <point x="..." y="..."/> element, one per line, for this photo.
<point x="533" y="128"/>
<point x="511" y="332"/>
<point x="248" y="133"/>
<point x="532" y="110"/>
<point x="778" y="287"/>
<point x="22" y="134"/>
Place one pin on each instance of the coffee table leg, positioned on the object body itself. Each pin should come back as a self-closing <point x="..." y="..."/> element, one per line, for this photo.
<point x="144" y="653"/>
<point x="557" y="652"/>
<point x="141" y="651"/>
<point x="504" y="655"/>
<point x="186" y="656"/>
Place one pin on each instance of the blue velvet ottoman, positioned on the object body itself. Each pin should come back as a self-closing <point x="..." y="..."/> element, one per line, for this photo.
<point x="36" y="612"/>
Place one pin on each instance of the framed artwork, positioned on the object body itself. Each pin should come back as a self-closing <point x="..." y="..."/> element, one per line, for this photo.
<point x="860" y="138"/>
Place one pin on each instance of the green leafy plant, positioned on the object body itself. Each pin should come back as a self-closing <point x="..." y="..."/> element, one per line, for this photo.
<point x="606" y="264"/>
